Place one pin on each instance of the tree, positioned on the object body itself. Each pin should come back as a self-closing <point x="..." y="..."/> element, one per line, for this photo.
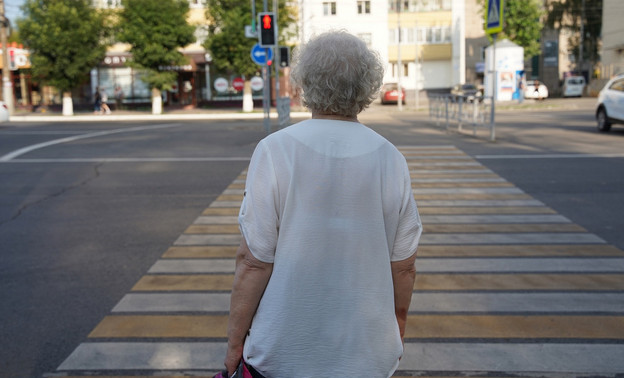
<point x="583" y="18"/>
<point x="226" y="41"/>
<point x="522" y="24"/>
<point x="156" y="30"/>
<point x="66" y="38"/>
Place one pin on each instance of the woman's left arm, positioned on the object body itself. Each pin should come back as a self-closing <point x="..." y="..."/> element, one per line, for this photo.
<point x="403" y="277"/>
<point x="250" y="280"/>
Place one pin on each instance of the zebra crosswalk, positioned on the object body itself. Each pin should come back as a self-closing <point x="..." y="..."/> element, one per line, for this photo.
<point x="505" y="287"/>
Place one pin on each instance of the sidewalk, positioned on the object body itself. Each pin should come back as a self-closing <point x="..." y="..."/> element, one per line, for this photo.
<point x="128" y="115"/>
<point x="236" y="114"/>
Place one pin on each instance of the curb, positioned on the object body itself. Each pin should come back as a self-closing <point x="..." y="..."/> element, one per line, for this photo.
<point x="151" y="117"/>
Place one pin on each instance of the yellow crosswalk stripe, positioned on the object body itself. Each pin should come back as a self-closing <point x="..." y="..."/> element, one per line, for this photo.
<point x="418" y="326"/>
<point x="424" y="282"/>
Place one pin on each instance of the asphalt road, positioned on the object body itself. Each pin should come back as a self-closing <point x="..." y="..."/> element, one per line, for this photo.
<point x="81" y="221"/>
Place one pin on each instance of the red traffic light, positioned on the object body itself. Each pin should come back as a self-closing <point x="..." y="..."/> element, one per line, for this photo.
<point x="267" y="36"/>
<point x="267" y="22"/>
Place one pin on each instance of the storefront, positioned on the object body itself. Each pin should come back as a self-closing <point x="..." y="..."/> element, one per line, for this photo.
<point x="24" y="93"/>
<point x="114" y="77"/>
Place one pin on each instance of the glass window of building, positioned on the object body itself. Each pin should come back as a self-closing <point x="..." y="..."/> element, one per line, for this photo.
<point x="367" y="38"/>
<point x="363" y="7"/>
<point x="329" y="8"/>
<point x="197" y="3"/>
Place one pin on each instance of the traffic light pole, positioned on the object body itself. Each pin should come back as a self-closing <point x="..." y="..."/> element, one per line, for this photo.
<point x="266" y="75"/>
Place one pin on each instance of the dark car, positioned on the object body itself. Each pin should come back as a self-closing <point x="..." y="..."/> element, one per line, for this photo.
<point x="469" y="91"/>
<point x="390" y="93"/>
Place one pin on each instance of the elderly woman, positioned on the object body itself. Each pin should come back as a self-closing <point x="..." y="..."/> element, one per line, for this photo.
<point x="325" y="271"/>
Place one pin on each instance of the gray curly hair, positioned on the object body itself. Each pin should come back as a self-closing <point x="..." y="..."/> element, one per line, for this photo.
<point x="336" y="73"/>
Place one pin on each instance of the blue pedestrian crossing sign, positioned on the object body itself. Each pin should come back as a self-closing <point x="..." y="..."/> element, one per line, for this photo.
<point x="494" y="16"/>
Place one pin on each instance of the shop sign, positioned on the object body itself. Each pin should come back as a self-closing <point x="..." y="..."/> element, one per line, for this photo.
<point x="257" y="83"/>
<point x="115" y="60"/>
<point x="238" y="84"/>
<point x="221" y="85"/>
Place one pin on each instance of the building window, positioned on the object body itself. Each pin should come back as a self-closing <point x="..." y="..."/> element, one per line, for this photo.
<point x="201" y="33"/>
<point x="363" y="7"/>
<point x="367" y="38"/>
<point x="197" y="3"/>
<point x="421" y="35"/>
<point x="420" y="5"/>
<point x="329" y="8"/>
<point x="107" y="4"/>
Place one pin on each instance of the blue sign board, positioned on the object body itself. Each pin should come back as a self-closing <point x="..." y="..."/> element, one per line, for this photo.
<point x="259" y="54"/>
<point x="494" y="17"/>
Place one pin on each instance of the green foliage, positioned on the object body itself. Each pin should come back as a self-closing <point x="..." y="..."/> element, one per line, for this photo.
<point x="567" y="14"/>
<point x="522" y="24"/>
<point x="156" y="29"/>
<point x="66" y="38"/>
<point x="226" y="41"/>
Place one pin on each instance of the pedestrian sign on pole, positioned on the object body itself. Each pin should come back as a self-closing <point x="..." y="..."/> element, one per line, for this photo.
<point x="494" y="16"/>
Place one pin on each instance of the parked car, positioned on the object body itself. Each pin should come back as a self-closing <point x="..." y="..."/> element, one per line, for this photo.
<point x="4" y="112"/>
<point x="535" y="89"/>
<point x="610" y="105"/>
<point x="573" y="86"/>
<point x="470" y="91"/>
<point x="390" y="93"/>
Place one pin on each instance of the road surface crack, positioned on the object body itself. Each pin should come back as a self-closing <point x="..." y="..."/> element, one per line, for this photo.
<point x="26" y="206"/>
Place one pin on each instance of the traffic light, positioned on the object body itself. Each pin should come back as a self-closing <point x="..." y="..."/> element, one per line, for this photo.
<point x="267" y="37"/>
<point x="284" y="56"/>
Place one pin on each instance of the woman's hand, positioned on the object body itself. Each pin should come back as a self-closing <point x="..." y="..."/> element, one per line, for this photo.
<point x="233" y="358"/>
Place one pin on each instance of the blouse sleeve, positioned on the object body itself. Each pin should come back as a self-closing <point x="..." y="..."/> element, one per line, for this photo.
<point x="258" y="217"/>
<point x="410" y="226"/>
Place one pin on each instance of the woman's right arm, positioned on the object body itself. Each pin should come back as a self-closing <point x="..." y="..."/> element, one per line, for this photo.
<point x="250" y="279"/>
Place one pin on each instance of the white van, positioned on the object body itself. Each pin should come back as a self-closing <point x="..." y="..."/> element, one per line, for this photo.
<point x="573" y="86"/>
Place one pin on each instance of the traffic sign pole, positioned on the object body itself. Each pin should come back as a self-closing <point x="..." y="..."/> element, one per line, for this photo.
<point x="493" y="26"/>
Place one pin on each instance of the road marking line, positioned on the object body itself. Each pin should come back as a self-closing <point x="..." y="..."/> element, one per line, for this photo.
<point x="550" y="156"/>
<point x="522" y="303"/>
<point x="424" y="282"/>
<point x="193" y="266"/>
<point x="493" y="218"/>
<point x="196" y="252"/>
<point x="510" y="250"/>
<point x="528" y="358"/>
<point x="128" y="160"/>
<point x="12" y="155"/>
<point x="178" y="302"/>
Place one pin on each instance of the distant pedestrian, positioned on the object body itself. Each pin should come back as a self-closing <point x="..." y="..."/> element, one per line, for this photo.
<point x="119" y="96"/>
<point x="97" y="101"/>
<point x="105" y="107"/>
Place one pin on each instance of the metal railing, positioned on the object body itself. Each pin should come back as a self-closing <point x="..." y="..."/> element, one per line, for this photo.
<point x="462" y="112"/>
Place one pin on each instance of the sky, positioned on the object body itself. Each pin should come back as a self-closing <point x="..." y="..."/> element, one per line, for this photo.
<point x="12" y="9"/>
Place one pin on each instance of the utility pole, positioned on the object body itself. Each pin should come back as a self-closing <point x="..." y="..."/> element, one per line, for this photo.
<point x="7" y="83"/>
<point x="399" y="63"/>
<point x="582" y="38"/>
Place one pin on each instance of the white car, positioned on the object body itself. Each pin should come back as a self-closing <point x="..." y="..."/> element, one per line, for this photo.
<point x="535" y="89"/>
<point x="573" y="86"/>
<point x="610" y="106"/>
<point x="4" y="112"/>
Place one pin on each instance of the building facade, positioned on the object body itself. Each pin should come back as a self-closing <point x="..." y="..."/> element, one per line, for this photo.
<point x="612" y="51"/>
<point x="192" y="86"/>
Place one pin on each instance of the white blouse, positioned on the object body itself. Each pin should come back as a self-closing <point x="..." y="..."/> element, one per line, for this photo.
<point x="330" y="204"/>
